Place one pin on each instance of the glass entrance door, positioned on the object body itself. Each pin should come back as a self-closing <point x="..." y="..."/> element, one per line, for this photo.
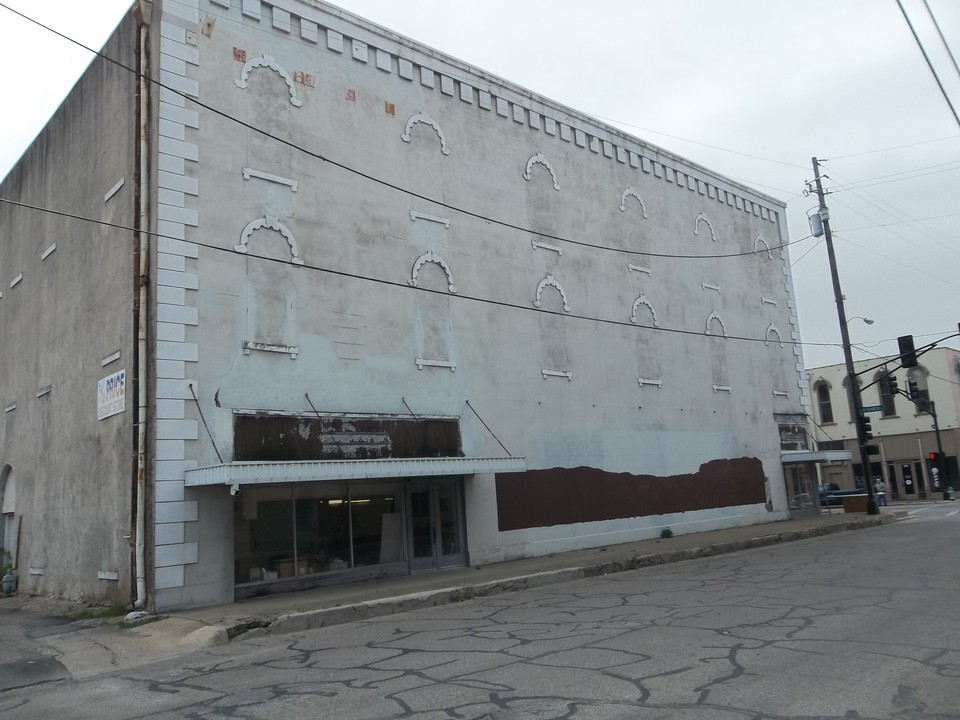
<point x="435" y="535"/>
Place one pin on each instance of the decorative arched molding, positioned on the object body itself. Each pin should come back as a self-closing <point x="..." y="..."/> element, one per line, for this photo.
<point x="756" y="244"/>
<point x="822" y="381"/>
<point x="710" y="318"/>
<point x="422" y="117"/>
<point x="632" y="192"/>
<point x="696" y="226"/>
<point x="268" y="62"/>
<point x="431" y="257"/>
<point x="539" y="158"/>
<point x="642" y="300"/>
<point x="551" y="280"/>
<point x="772" y="329"/>
<point x="270" y="223"/>
<point x="846" y="382"/>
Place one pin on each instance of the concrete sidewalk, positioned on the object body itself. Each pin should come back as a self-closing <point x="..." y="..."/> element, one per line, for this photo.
<point x="112" y="645"/>
<point x="346" y="603"/>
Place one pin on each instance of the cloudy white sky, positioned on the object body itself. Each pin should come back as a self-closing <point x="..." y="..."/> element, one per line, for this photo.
<point x="749" y="88"/>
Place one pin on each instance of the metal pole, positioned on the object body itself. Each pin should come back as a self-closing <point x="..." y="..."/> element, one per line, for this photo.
<point x="939" y="465"/>
<point x="853" y="384"/>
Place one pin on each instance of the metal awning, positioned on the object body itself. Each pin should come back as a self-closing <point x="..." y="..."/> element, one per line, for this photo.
<point x="265" y="473"/>
<point x="815" y="456"/>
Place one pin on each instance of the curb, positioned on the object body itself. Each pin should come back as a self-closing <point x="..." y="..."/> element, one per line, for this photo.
<point x="325" y="617"/>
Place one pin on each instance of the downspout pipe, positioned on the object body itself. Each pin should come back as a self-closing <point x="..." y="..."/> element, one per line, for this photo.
<point x="142" y="11"/>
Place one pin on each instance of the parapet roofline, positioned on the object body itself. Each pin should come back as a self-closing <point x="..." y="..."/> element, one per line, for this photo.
<point x="370" y="31"/>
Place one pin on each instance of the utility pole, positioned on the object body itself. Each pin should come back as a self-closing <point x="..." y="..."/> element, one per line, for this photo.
<point x="939" y="465"/>
<point x="853" y="383"/>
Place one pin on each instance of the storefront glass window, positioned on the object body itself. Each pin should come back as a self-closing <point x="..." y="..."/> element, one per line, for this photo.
<point x="323" y="527"/>
<point x="377" y="525"/>
<point x="308" y="528"/>
<point x="262" y="519"/>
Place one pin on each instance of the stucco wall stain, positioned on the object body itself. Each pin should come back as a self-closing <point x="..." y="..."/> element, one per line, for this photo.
<point x="562" y="496"/>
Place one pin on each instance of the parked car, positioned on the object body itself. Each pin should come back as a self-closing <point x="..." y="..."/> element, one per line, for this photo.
<point x="831" y="495"/>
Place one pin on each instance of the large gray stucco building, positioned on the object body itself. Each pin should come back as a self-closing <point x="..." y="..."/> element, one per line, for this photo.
<point x="344" y="306"/>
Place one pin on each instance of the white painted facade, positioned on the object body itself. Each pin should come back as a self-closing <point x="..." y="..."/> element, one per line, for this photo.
<point x="408" y="235"/>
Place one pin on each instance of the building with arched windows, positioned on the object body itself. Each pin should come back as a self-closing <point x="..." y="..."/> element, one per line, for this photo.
<point x="349" y="307"/>
<point x="902" y="426"/>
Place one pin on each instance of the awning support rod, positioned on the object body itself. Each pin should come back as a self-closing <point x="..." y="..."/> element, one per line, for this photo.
<point x="489" y="430"/>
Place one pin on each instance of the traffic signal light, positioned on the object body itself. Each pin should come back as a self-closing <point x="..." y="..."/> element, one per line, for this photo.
<point x="912" y="391"/>
<point x="892" y="386"/>
<point x="934" y="457"/>
<point x="863" y="428"/>
<point x="908" y="354"/>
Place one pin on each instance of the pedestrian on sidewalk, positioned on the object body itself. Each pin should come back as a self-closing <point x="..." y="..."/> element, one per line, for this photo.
<point x="880" y="488"/>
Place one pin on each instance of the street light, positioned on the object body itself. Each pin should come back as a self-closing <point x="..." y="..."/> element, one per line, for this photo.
<point x="866" y="320"/>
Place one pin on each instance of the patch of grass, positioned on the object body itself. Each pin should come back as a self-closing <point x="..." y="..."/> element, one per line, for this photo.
<point x="666" y="533"/>
<point x="98" y="613"/>
<point x="463" y="593"/>
<point x="239" y="629"/>
<point x="123" y="625"/>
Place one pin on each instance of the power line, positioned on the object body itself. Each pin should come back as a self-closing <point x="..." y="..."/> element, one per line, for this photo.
<point x="889" y="149"/>
<point x="860" y="184"/>
<point x="946" y="45"/>
<point x="401" y="285"/>
<point x="697" y="142"/>
<point x="227" y="18"/>
<point x="929" y="63"/>
<point x="894" y="358"/>
<point x="893" y="211"/>
<point x="380" y="181"/>
<point x="812" y="248"/>
<point x="951" y="283"/>
<point x="901" y="222"/>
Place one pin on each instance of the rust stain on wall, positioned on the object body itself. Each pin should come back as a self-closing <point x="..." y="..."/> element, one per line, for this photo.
<point x="562" y="496"/>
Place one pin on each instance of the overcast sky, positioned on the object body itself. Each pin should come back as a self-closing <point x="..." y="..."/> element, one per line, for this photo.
<point x="749" y="88"/>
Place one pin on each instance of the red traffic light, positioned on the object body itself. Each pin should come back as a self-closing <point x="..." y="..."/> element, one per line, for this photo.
<point x="932" y="456"/>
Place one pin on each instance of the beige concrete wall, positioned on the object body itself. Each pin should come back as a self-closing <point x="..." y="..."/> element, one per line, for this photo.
<point x="66" y="323"/>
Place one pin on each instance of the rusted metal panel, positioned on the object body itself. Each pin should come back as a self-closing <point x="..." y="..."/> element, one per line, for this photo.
<point x="563" y="496"/>
<point x="280" y="438"/>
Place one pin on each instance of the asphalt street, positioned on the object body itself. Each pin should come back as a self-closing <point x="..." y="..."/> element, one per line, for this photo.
<point x="854" y="625"/>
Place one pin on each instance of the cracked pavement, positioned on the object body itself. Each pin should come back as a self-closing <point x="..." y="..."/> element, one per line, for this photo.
<point x="856" y="625"/>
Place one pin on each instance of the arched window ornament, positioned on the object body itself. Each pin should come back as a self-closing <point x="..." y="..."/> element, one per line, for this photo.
<point x="710" y="318"/>
<point x="431" y="257"/>
<point x="539" y="158"/>
<point x="268" y="62"/>
<point x="270" y="223"/>
<point x="422" y="117"/>
<point x="642" y="300"/>
<point x="696" y="226"/>
<point x="552" y="281"/>
<point x="772" y="329"/>
<point x="632" y="192"/>
<point x="757" y="242"/>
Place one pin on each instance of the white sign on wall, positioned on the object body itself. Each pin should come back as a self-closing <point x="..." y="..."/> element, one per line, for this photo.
<point x="111" y="394"/>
